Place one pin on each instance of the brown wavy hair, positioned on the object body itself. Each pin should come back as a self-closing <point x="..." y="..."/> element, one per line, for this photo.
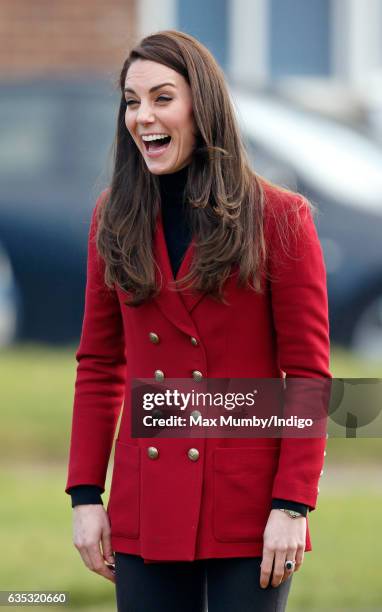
<point x="224" y="195"/>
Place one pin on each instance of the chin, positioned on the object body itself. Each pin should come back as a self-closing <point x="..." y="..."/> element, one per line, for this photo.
<point x="168" y="169"/>
<point x="159" y="172"/>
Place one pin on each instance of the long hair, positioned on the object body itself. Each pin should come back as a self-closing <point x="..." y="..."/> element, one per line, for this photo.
<point x="224" y="195"/>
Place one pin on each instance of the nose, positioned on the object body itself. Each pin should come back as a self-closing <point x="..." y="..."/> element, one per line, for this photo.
<point x="145" y="114"/>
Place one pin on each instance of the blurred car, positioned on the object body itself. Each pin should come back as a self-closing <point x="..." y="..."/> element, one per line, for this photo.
<point x="56" y="136"/>
<point x="339" y="171"/>
<point x="9" y="301"/>
<point x="55" y="142"/>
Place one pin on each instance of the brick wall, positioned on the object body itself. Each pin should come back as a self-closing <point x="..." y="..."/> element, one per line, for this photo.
<point x="64" y="37"/>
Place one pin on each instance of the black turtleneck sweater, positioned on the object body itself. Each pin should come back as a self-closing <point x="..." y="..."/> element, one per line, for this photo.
<point x="178" y="235"/>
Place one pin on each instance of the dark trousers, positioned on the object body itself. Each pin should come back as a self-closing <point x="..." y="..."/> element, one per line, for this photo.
<point x="225" y="585"/>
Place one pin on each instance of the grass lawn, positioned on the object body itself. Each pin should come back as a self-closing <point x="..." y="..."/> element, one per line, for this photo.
<point x="36" y="537"/>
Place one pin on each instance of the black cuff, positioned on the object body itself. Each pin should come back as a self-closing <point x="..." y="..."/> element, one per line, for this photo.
<point x="290" y="505"/>
<point x="85" y="494"/>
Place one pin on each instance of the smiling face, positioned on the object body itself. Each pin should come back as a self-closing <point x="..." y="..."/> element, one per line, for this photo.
<point x="159" y="103"/>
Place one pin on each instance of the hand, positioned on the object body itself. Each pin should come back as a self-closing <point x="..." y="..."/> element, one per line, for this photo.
<point x="90" y="527"/>
<point x="284" y="539"/>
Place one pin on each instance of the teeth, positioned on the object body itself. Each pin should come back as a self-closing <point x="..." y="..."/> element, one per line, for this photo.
<point x="154" y="137"/>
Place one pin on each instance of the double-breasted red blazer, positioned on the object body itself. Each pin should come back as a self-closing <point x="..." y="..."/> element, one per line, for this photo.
<point x="173" y="507"/>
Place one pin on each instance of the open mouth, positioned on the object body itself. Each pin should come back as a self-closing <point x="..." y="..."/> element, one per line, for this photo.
<point x="157" y="145"/>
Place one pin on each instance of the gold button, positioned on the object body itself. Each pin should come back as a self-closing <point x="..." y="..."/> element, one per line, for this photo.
<point x="154" y="338"/>
<point x="152" y="452"/>
<point x="193" y="454"/>
<point x="159" y="375"/>
<point x="324" y="453"/>
<point x="197" y="375"/>
<point x="194" y="341"/>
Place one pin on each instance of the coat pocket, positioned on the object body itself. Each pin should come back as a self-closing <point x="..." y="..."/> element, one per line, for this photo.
<point x="243" y="480"/>
<point x="124" y="503"/>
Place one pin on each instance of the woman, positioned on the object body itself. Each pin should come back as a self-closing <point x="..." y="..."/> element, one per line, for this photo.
<point x="197" y="267"/>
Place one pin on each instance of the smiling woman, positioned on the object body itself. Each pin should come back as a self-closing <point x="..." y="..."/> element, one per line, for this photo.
<point x="159" y="115"/>
<point x="197" y="268"/>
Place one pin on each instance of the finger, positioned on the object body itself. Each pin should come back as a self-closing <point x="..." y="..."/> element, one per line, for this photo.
<point x="85" y="557"/>
<point x="278" y="570"/>
<point x="98" y="563"/>
<point x="266" y="567"/>
<point x="299" y="559"/>
<point x="106" y="546"/>
<point x="290" y="556"/>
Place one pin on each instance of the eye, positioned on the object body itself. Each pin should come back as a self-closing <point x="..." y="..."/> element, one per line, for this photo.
<point x="130" y="102"/>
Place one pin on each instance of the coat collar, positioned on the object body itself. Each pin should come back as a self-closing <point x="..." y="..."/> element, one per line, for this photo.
<point x="176" y="305"/>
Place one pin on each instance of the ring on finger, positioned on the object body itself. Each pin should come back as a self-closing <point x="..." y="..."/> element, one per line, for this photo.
<point x="289" y="565"/>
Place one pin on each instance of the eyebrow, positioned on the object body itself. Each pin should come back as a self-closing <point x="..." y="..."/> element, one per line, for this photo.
<point x="128" y="89"/>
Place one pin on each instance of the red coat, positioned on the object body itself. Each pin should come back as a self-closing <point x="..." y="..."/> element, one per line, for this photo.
<point x="173" y="507"/>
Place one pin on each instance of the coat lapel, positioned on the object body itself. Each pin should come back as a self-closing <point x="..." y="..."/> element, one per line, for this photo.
<point x="176" y="305"/>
